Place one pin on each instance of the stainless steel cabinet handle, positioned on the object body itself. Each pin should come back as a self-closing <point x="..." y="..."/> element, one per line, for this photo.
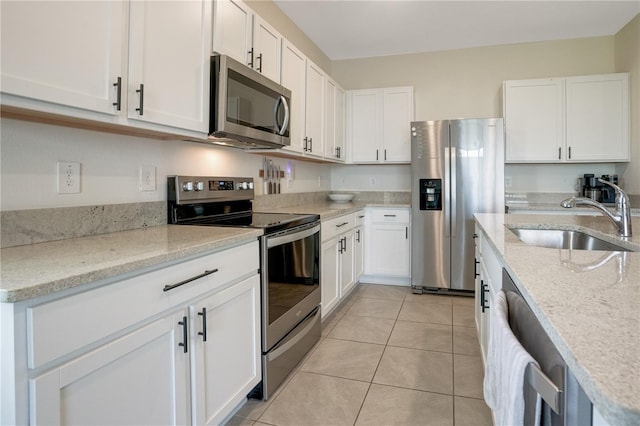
<point x="306" y="141"/>
<point x="389" y="215"/>
<point x="345" y="243"/>
<point x="559" y="153"/>
<point x="482" y="295"/>
<point x="259" y="68"/>
<point x="377" y="155"/>
<point x="204" y="274"/>
<point x="118" y="86"/>
<point x="141" y="91"/>
<point x="311" y="144"/>
<point x="342" y="224"/>
<point x="475" y="268"/>
<point x="357" y="235"/>
<point x="385" y="155"/>
<point x="406" y="232"/>
<point x="185" y="336"/>
<point x="203" y="333"/>
<point x="485" y="289"/>
<point x="569" y="153"/>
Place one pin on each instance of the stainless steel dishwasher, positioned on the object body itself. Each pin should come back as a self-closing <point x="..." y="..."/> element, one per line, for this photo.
<point x="563" y="400"/>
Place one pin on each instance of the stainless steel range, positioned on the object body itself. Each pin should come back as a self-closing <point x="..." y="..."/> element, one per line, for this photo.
<point x="289" y="265"/>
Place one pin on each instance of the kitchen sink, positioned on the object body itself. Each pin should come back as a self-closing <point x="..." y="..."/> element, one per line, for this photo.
<point x="563" y="239"/>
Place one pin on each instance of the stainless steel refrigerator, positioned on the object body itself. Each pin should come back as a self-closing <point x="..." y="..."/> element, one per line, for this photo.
<point x="457" y="169"/>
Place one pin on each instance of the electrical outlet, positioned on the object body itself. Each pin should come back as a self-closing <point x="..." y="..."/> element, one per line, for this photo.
<point x="147" y="178"/>
<point x="507" y="181"/>
<point x="373" y="181"/>
<point x="68" y="177"/>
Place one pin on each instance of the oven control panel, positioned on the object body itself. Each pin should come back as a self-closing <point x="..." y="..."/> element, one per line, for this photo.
<point x="193" y="189"/>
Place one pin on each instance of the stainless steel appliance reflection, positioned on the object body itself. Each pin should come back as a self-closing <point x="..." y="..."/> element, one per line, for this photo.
<point x="289" y="265"/>
<point x="457" y="169"/>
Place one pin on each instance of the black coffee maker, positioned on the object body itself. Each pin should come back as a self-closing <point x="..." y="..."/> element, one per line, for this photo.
<point x="608" y="193"/>
<point x="591" y="188"/>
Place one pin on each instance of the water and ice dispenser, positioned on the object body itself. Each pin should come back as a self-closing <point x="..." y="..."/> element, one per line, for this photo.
<point x="430" y="194"/>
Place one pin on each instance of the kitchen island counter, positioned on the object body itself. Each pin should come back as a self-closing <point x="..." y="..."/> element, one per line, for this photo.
<point x="40" y="269"/>
<point x="587" y="301"/>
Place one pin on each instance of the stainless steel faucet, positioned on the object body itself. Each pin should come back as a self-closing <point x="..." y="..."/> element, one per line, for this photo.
<point x="621" y="217"/>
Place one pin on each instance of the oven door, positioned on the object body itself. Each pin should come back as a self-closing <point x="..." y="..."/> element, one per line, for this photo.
<point x="290" y="280"/>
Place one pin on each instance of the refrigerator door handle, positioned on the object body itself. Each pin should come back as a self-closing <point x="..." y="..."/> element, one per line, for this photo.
<point x="447" y="191"/>
<point x="453" y="192"/>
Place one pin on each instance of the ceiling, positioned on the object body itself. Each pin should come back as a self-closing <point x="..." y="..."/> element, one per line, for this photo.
<point x="346" y="29"/>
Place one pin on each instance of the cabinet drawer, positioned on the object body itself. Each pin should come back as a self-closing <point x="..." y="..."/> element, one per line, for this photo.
<point x="65" y="325"/>
<point x="338" y="225"/>
<point x="390" y="215"/>
<point x="360" y="217"/>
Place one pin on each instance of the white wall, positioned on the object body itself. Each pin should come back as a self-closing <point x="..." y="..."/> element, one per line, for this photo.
<point x="371" y="178"/>
<point x="110" y="166"/>
<point x="550" y="177"/>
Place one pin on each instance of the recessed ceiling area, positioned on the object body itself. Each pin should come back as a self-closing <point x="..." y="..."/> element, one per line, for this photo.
<point x="358" y="29"/>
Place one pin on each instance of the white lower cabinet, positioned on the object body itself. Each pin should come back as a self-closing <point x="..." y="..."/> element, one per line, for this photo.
<point x="177" y="345"/>
<point x="226" y="351"/>
<point x="140" y="378"/>
<point x="488" y="282"/>
<point x="339" y="248"/>
<point x="388" y="249"/>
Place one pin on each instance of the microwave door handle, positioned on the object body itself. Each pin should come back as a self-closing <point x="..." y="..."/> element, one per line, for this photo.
<point x="281" y="101"/>
<point x="285" y="123"/>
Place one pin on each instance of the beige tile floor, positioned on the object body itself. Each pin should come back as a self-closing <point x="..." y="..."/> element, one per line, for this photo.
<point x="386" y="357"/>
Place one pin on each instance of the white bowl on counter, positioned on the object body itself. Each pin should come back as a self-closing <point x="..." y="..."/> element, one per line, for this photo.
<point x="341" y="198"/>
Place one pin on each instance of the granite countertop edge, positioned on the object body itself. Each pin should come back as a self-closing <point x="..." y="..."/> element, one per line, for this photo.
<point x="328" y="210"/>
<point x="612" y="392"/>
<point x="31" y="271"/>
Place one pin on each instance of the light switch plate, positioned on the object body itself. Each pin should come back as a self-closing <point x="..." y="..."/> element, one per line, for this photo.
<point x="147" y="178"/>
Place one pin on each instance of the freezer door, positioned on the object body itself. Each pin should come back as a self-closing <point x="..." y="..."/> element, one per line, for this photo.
<point x="430" y="261"/>
<point x="477" y="170"/>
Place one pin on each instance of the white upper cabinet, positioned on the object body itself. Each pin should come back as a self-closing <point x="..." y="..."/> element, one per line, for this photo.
<point x="573" y="119"/>
<point x="378" y="124"/>
<point x="66" y="53"/>
<point x="233" y="29"/>
<point x="598" y="117"/>
<point x="334" y="110"/>
<point x="314" y="114"/>
<point x="267" y="49"/>
<point x="242" y="34"/>
<point x="169" y="69"/>
<point x="307" y="84"/>
<point x="294" y="66"/>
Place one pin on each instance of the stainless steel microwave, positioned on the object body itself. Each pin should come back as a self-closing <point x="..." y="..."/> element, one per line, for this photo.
<point x="247" y="109"/>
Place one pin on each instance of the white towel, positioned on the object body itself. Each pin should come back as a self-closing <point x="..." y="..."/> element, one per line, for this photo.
<point x="505" y="369"/>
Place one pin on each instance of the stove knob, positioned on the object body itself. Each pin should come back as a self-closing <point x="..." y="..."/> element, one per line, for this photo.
<point x="199" y="186"/>
<point x="244" y="185"/>
<point x="187" y="186"/>
<point x="250" y="185"/>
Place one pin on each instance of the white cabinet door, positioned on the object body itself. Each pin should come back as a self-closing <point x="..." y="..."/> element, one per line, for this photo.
<point x="390" y="250"/>
<point x="347" y="263"/>
<point x="226" y="350"/>
<point x="598" y="117"/>
<point x="170" y="44"/>
<point x="359" y="253"/>
<point x="294" y="65"/>
<point x="329" y="276"/>
<point x="534" y="120"/>
<point x="340" y="137"/>
<point x="397" y="114"/>
<point x="232" y="29"/>
<point x="314" y="116"/>
<point x="330" y="119"/>
<point x="334" y="110"/>
<point x="140" y="378"/>
<point x="75" y="62"/>
<point x="364" y="114"/>
<point x="267" y="49"/>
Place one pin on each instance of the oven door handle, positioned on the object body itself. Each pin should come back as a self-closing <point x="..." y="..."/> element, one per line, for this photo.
<point x="311" y="320"/>
<point x="293" y="236"/>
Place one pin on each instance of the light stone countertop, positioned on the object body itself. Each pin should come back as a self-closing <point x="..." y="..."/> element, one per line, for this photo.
<point x="328" y="210"/>
<point x="587" y="301"/>
<point x="39" y="269"/>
